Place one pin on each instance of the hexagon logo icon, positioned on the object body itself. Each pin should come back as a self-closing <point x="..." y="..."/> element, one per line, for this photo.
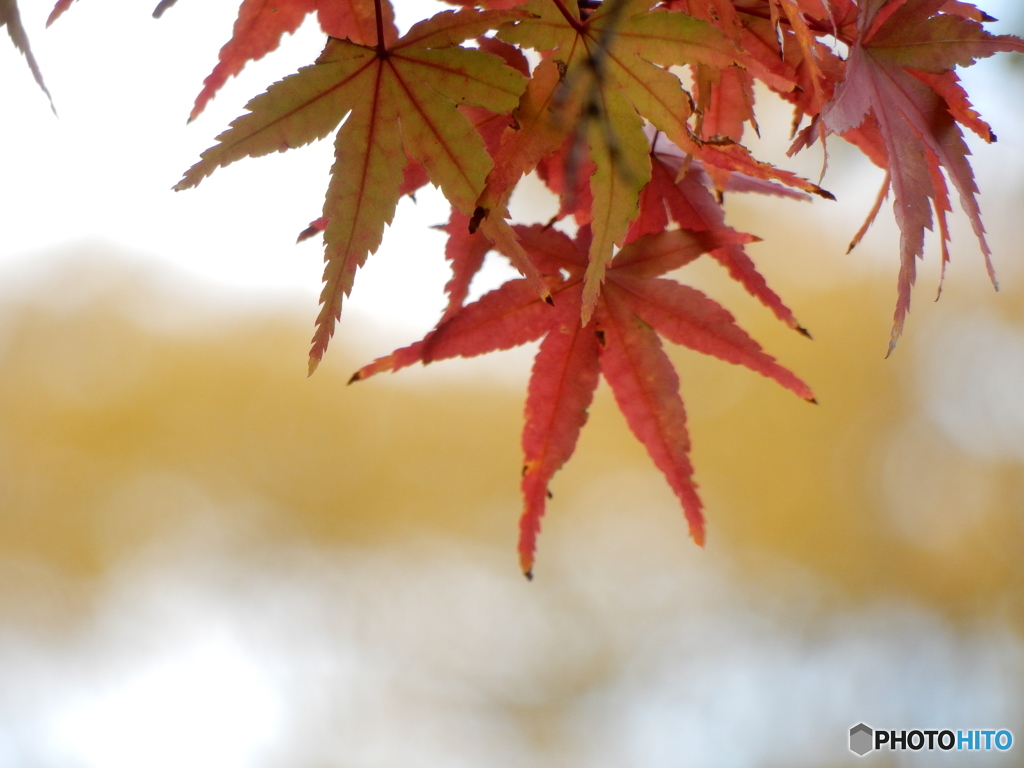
<point x="861" y="738"/>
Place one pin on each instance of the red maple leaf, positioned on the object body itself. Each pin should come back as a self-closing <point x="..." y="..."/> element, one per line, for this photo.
<point x="899" y="74"/>
<point x="465" y="250"/>
<point x="686" y="200"/>
<point x="621" y="341"/>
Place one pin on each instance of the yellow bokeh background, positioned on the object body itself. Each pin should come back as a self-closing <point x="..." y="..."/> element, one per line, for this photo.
<point x="99" y="401"/>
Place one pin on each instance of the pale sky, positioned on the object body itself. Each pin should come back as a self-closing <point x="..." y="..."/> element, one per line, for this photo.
<point x="123" y="84"/>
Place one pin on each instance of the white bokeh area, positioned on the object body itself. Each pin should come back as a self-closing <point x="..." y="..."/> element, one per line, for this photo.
<point x="101" y="173"/>
<point x="426" y="654"/>
<point x="204" y="704"/>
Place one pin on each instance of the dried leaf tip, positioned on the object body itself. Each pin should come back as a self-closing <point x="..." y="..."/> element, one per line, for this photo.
<point x="313" y="363"/>
<point x="526" y="564"/>
<point x="892" y="343"/>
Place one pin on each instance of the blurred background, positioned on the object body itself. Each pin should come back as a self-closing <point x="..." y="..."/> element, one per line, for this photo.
<point x="208" y="559"/>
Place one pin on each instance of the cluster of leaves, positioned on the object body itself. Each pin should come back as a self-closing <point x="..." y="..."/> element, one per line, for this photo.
<point x="640" y="164"/>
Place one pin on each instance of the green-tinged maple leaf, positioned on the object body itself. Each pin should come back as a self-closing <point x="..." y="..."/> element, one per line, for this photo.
<point x="607" y="72"/>
<point x="899" y="74"/>
<point x="489" y="125"/>
<point x="536" y="134"/>
<point x="620" y="341"/>
<point x="257" y="32"/>
<point x="401" y="101"/>
<point x="261" y="23"/>
<point x="11" y="18"/>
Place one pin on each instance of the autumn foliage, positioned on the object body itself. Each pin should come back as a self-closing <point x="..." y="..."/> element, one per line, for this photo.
<point x="633" y="113"/>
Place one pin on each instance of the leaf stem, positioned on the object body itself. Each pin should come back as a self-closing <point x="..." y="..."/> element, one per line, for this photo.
<point x="575" y="23"/>
<point x="381" y="47"/>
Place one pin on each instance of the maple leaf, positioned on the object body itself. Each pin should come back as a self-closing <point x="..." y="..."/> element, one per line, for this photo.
<point x="489" y="125"/>
<point x="261" y="23"/>
<point x="465" y="250"/>
<point x="780" y="37"/>
<point x="899" y="73"/>
<point x="257" y="32"/>
<point x="679" y="191"/>
<point x="620" y="341"/>
<point x="759" y="46"/>
<point x="11" y="18"/>
<point x="609" y="70"/>
<point x="536" y="132"/>
<point x="725" y="102"/>
<point x="724" y="96"/>
<point x="812" y="53"/>
<point x="401" y="103"/>
<point x="687" y="200"/>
